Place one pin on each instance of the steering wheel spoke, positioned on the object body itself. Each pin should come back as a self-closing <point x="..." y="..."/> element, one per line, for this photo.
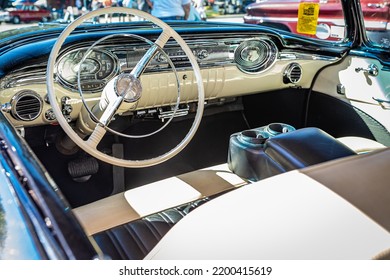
<point x="96" y="137"/>
<point x="163" y="38"/>
<point x="144" y="61"/>
<point x="110" y="111"/>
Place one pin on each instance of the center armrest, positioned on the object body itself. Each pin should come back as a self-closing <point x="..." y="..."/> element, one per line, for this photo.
<point x="304" y="147"/>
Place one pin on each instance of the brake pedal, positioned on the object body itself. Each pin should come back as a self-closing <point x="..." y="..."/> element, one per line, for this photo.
<point x="82" y="169"/>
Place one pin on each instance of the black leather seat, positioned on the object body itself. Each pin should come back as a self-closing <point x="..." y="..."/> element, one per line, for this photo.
<point x="304" y="147"/>
<point x="134" y="240"/>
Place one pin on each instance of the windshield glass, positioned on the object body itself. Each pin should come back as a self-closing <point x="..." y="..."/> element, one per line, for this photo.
<point x="377" y="21"/>
<point x="317" y="19"/>
<point x="322" y="19"/>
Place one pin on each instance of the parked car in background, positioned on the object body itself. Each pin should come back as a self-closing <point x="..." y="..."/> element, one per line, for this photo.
<point x="329" y="23"/>
<point x="229" y="6"/>
<point x="25" y="12"/>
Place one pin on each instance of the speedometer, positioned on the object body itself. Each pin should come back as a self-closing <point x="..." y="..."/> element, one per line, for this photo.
<point x="95" y="71"/>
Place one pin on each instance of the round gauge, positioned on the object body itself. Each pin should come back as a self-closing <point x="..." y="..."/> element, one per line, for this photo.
<point x="250" y="53"/>
<point x="95" y="71"/>
<point x="255" y="55"/>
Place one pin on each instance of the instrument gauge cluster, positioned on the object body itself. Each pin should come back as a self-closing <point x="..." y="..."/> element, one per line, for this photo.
<point x="97" y="69"/>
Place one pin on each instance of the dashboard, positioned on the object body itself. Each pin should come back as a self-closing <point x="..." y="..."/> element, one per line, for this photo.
<point x="232" y="64"/>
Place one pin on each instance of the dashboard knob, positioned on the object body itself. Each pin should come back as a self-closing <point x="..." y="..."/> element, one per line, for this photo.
<point x="49" y="115"/>
<point x="202" y="54"/>
<point x="160" y="57"/>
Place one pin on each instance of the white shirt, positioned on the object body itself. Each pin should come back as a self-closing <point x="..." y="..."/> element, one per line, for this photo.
<point x="169" y="8"/>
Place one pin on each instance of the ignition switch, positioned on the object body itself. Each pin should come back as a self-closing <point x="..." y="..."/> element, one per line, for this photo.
<point x="66" y="108"/>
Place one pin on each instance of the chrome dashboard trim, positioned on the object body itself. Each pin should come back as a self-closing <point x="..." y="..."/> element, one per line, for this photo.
<point x="219" y="49"/>
<point x="287" y="55"/>
<point x="27" y="75"/>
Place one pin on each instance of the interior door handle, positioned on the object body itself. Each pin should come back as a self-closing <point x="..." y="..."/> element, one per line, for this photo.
<point x="371" y="70"/>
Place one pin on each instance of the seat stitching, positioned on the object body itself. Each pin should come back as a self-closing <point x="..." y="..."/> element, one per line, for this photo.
<point x="116" y="244"/>
<point x="154" y="230"/>
<point x="136" y="238"/>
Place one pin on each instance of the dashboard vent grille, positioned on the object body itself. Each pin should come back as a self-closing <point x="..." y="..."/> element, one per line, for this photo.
<point x="292" y="74"/>
<point x="26" y="105"/>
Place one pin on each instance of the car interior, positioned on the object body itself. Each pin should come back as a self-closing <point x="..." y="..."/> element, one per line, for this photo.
<point x="206" y="119"/>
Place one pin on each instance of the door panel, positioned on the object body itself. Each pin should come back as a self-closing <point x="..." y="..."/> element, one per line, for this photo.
<point x="362" y="83"/>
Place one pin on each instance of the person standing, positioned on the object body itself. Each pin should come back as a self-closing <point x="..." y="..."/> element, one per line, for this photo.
<point x="143" y="6"/>
<point x="107" y="4"/>
<point x="170" y="10"/>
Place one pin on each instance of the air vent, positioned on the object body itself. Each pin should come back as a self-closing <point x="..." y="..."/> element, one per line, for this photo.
<point x="26" y="105"/>
<point x="292" y="74"/>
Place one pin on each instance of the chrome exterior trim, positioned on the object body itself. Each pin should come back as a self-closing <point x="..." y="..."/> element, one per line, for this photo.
<point x="338" y="22"/>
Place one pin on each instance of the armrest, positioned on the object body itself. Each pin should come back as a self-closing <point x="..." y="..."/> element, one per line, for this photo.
<point x="304" y="147"/>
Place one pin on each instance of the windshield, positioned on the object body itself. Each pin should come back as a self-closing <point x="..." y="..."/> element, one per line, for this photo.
<point x="377" y="21"/>
<point x="319" y="19"/>
<point x="322" y="20"/>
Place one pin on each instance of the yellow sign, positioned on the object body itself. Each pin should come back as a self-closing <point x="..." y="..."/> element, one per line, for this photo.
<point x="308" y="17"/>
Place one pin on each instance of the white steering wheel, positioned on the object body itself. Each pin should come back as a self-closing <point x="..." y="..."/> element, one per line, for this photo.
<point x="126" y="88"/>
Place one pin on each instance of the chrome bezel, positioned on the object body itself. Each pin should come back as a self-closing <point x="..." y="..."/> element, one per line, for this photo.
<point x="19" y="96"/>
<point x="289" y="69"/>
<point x="265" y="61"/>
<point x="73" y="87"/>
